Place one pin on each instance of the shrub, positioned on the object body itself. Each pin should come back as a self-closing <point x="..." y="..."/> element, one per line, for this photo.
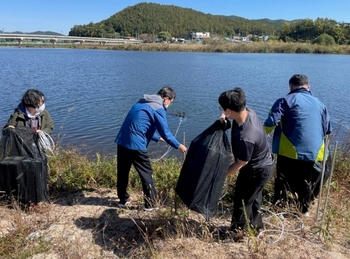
<point x="324" y="39"/>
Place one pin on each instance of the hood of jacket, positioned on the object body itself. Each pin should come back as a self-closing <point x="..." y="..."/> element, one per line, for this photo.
<point x="154" y="100"/>
<point x="21" y="109"/>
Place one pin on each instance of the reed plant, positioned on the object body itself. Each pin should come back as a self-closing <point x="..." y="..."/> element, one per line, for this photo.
<point x="230" y="47"/>
<point x="218" y="46"/>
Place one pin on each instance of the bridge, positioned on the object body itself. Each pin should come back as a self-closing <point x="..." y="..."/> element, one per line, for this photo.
<point x="32" y="38"/>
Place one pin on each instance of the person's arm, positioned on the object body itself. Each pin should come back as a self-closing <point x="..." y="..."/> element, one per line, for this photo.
<point x="156" y="137"/>
<point x="11" y="123"/>
<point x="243" y="154"/>
<point x="47" y="123"/>
<point x="275" y="115"/>
<point x="163" y="130"/>
<point x="236" y="166"/>
<point x="326" y="121"/>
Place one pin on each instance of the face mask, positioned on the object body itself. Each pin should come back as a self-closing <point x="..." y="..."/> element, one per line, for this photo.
<point x="166" y="105"/>
<point x="41" y="108"/>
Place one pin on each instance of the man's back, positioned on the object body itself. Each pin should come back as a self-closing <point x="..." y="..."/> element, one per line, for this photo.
<point x="302" y="122"/>
<point x="143" y="120"/>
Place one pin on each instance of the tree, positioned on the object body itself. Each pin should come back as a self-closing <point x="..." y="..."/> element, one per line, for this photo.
<point x="164" y="35"/>
<point x="148" y="37"/>
<point x="150" y="17"/>
<point x="286" y="30"/>
<point x="255" y="38"/>
<point x="324" y="39"/>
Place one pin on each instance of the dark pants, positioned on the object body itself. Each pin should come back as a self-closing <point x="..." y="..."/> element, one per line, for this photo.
<point x="139" y="159"/>
<point x="295" y="176"/>
<point x="248" y="197"/>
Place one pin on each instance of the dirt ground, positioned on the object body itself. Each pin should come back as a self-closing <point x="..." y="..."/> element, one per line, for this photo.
<point x="88" y="224"/>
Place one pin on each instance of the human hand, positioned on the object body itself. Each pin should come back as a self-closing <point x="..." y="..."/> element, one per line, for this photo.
<point x="182" y="148"/>
<point x="222" y="117"/>
<point x="223" y="123"/>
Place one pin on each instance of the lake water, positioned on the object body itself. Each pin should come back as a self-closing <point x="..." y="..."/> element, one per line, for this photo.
<point x="89" y="92"/>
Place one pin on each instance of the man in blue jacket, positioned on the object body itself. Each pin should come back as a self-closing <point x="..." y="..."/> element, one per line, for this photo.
<point x="139" y="127"/>
<point x="301" y="123"/>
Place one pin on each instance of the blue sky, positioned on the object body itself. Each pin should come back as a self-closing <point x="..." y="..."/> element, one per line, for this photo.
<point x="61" y="15"/>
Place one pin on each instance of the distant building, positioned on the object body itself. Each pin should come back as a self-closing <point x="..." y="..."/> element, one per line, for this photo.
<point x="199" y="35"/>
<point x="236" y="38"/>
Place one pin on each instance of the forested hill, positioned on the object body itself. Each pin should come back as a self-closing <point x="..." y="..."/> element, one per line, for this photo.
<point x="151" y="18"/>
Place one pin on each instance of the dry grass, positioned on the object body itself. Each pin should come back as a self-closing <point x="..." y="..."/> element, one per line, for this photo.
<point x="87" y="224"/>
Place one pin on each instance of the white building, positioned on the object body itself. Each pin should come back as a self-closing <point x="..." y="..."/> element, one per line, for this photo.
<point x="199" y="35"/>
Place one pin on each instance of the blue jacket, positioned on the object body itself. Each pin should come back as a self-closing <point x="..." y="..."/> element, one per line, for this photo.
<point x="300" y="122"/>
<point x="140" y="125"/>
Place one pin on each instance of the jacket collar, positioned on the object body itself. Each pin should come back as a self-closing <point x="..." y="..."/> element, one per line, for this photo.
<point x="300" y="90"/>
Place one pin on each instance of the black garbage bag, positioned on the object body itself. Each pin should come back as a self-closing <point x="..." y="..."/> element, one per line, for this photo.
<point x="23" y="166"/>
<point x="20" y="141"/>
<point x="204" y="170"/>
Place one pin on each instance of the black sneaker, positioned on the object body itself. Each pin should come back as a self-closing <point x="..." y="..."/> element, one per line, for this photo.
<point x="124" y="203"/>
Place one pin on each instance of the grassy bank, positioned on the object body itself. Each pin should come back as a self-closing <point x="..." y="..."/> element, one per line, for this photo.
<point x="172" y="231"/>
<point x="218" y="47"/>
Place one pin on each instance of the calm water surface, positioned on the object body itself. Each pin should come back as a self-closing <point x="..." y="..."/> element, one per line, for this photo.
<point x="89" y="92"/>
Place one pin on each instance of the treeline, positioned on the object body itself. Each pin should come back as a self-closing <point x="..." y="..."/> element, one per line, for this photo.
<point x="150" y="19"/>
<point x="315" y="31"/>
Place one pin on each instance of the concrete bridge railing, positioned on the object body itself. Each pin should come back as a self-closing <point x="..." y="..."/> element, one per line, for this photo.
<point x="20" y="38"/>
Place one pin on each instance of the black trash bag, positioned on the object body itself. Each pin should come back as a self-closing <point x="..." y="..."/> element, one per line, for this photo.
<point x="23" y="166"/>
<point x="204" y="170"/>
<point x="20" y="141"/>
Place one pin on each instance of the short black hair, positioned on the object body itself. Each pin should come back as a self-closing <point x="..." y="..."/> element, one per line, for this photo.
<point x="167" y="91"/>
<point x="32" y="98"/>
<point x="298" y="80"/>
<point x="234" y="100"/>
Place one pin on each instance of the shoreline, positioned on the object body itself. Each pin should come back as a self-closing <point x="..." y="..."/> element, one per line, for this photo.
<point x="216" y="47"/>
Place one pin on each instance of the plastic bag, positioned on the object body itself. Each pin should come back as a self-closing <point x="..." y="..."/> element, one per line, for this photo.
<point x="204" y="170"/>
<point x="23" y="166"/>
